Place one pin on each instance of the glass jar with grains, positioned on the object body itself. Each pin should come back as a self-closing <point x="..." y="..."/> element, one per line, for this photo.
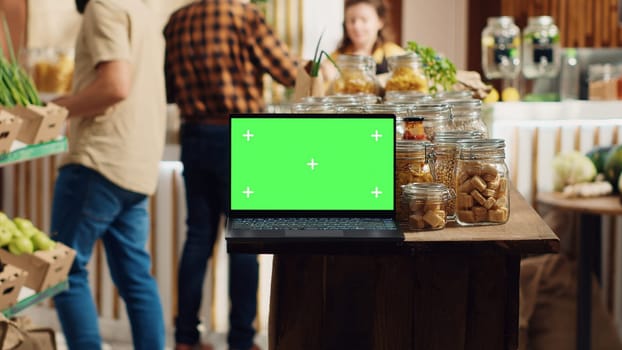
<point x="411" y="165"/>
<point x="445" y="151"/>
<point x="482" y="183"/>
<point x="425" y="205"/>
<point x="357" y="74"/>
<point x="406" y="74"/>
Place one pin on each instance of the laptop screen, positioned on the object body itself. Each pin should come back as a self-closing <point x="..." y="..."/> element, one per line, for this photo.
<point x="312" y="163"/>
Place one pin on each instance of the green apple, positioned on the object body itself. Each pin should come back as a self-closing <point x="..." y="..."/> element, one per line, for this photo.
<point x="20" y="245"/>
<point x="3" y="217"/>
<point x="25" y="226"/>
<point x="5" y="236"/>
<point x="42" y="241"/>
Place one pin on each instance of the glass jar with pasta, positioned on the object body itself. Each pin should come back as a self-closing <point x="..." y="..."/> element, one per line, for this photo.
<point x="406" y="74"/>
<point x="357" y="75"/>
<point x="412" y="164"/>
<point x="436" y="117"/>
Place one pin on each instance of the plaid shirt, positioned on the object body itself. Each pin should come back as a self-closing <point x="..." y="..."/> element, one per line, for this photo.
<point x="216" y="54"/>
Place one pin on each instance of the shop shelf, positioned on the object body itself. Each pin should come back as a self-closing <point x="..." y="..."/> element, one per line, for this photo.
<point x="22" y="153"/>
<point x="32" y="299"/>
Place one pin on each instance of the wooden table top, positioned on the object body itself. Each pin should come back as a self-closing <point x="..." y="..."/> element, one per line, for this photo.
<point x="525" y="230"/>
<point x="605" y="205"/>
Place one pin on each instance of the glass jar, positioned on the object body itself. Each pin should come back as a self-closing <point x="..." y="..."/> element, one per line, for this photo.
<point x="602" y="82"/>
<point x="453" y="95"/>
<point x="391" y="97"/>
<point x="425" y="205"/>
<point x="541" y="48"/>
<point x="413" y="129"/>
<point x="501" y="48"/>
<point x="466" y="115"/>
<point x="357" y="74"/>
<point x="445" y="152"/>
<point x="482" y="183"/>
<point x="313" y="107"/>
<point x="406" y="74"/>
<point x="412" y="160"/>
<point x="400" y="113"/>
<point x="436" y="117"/>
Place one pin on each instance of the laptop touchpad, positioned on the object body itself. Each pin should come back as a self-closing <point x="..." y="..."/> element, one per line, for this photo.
<point x="314" y="233"/>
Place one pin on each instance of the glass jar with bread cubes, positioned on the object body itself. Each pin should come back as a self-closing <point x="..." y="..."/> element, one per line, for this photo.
<point x="406" y="74"/>
<point x="482" y="183"/>
<point x="412" y="164"/>
<point x="425" y="205"/>
<point x="357" y="75"/>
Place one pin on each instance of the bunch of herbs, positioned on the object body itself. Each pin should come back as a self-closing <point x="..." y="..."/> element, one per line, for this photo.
<point x="439" y="71"/>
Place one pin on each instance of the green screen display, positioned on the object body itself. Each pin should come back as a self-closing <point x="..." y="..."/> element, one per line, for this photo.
<point x="308" y="163"/>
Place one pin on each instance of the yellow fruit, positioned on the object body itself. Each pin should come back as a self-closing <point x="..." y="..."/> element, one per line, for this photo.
<point x="510" y="94"/>
<point x="493" y="96"/>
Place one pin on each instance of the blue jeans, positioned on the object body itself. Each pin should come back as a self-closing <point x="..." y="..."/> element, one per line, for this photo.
<point x="205" y="156"/>
<point x="88" y="207"/>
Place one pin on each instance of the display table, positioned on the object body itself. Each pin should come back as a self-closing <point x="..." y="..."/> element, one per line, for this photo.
<point x="591" y="210"/>
<point x="451" y="289"/>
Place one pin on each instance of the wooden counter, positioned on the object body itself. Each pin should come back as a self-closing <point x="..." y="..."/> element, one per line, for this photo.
<point x="451" y="289"/>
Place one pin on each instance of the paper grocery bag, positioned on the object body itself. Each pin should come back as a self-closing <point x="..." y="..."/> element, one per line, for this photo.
<point x="306" y="85"/>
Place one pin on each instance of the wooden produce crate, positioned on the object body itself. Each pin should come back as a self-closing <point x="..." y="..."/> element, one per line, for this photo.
<point x="45" y="268"/>
<point x="41" y="123"/>
<point x="12" y="279"/>
<point x="9" y="128"/>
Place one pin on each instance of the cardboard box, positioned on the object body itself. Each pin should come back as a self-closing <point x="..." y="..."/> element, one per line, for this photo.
<point x="45" y="268"/>
<point x="41" y="123"/>
<point x="9" y="128"/>
<point x="12" y="280"/>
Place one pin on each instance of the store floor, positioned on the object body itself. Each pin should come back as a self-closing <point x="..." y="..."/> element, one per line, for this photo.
<point x="218" y="340"/>
<point x="117" y="336"/>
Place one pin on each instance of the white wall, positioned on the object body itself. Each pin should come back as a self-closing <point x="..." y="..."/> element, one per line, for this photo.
<point x="322" y="15"/>
<point x="440" y="24"/>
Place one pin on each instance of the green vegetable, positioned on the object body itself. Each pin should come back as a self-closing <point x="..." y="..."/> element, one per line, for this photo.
<point x="16" y="87"/>
<point x="598" y="155"/>
<point x="439" y="71"/>
<point x="572" y="168"/>
<point x="314" y="68"/>
<point x="613" y="165"/>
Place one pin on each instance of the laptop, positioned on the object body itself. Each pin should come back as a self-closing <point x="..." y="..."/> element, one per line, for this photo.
<point x="312" y="177"/>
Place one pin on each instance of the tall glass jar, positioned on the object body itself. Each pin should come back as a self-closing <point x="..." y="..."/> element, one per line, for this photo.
<point x="406" y="74"/>
<point x="501" y="48"/>
<point x="412" y="164"/>
<point x="398" y="97"/>
<point x="436" y="117"/>
<point x="482" y="183"/>
<point x="399" y="111"/>
<point x="466" y="115"/>
<point x="541" y="48"/>
<point x="357" y="74"/>
<point x="445" y="154"/>
<point x="425" y="205"/>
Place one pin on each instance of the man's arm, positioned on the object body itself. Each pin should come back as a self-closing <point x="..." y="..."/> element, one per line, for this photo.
<point x="111" y="86"/>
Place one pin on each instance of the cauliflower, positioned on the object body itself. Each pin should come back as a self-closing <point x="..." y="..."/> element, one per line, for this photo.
<point x="572" y="168"/>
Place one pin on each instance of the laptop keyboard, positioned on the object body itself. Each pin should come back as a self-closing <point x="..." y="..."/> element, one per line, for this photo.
<point x="312" y="224"/>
